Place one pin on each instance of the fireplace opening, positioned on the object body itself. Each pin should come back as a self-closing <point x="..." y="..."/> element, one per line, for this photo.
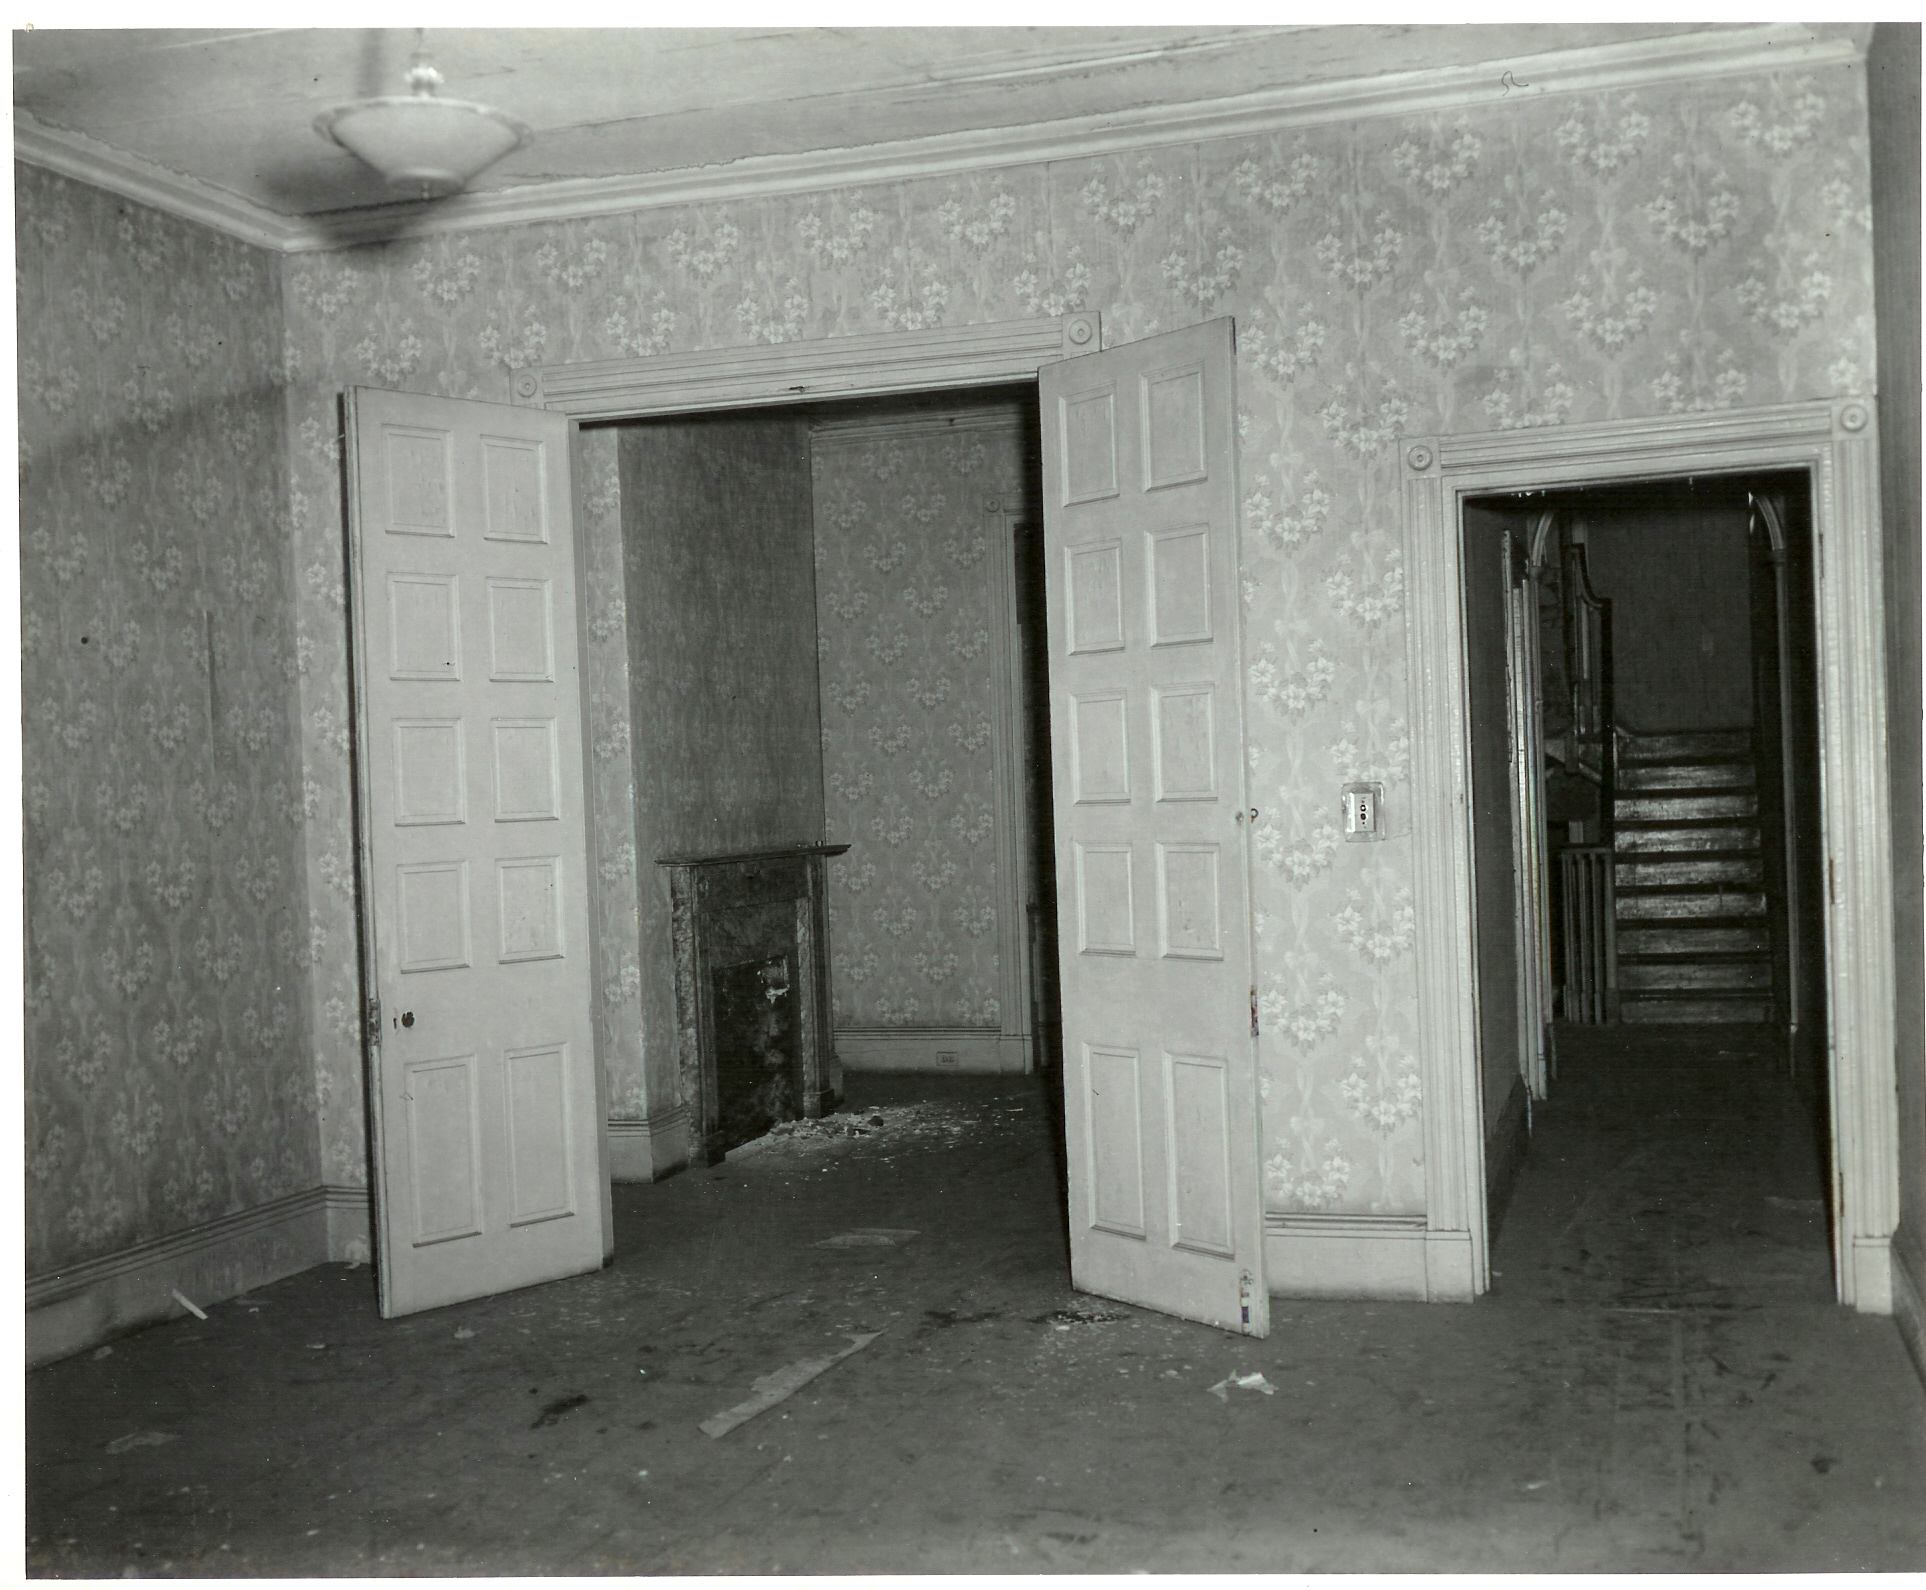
<point x="758" y="1056"/>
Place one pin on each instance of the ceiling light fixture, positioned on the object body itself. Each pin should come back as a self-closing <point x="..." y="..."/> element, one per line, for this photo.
<point x="419" y="141"/>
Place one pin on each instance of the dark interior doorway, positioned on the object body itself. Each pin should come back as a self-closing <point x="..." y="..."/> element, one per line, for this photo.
<point x="1642" y="681"/>
<point x="740" y="782"/>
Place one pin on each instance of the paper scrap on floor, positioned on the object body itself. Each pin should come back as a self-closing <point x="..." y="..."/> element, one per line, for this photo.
<point x="1251" y="1382"/>
<point x="779" y="1385"/>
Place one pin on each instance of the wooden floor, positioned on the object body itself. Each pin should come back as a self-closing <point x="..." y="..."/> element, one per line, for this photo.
<point x="1658" y="1381"/>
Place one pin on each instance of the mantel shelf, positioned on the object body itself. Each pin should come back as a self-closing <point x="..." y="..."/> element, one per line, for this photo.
<point x="740" y="857"/>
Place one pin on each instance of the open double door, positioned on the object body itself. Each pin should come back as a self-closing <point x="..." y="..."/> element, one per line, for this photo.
<point x="488" y="1164"/>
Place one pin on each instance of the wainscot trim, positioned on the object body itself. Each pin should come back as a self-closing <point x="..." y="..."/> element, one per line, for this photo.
<point x="980" y="1050"/>
<point x="72" y="1309"/>
<point x="651" y="1148"/>
<point x="1392" y="1257"/>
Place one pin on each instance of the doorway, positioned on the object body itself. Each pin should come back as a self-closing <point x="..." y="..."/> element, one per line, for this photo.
<point x="1144" y="517"/>
<point x="1645" y="800"/>
<point x="1833" y="444"/>
<point x="826" y="646"/>
<point x="1140" y="469"/>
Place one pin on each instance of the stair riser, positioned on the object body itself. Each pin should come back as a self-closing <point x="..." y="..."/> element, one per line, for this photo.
<point x="1646" y="840"/>
<point x="1694" y="977"/>
<point x="1662" y="874"/>
<point x="1668" y="1012"/>
<point x="1691" y="941"/>
<point x="1677" y="747"/>
<point x="1688" y="776"/>
<point x="1689" y="907"/>
<point x="1685" y="808"/>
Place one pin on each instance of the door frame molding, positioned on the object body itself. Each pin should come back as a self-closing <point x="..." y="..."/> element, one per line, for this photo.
<point x="1836" y="443"/>
<point x="758" y="375"/>
<point x="1014" y="884"/>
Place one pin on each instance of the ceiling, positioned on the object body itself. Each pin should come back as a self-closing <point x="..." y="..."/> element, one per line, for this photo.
<point x="230" y="113"/>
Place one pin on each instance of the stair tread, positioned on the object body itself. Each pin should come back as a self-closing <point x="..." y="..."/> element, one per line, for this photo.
<point x="1708" y="956"/>
<point x="1695" y="1011"/>
<point x="1686" y="805"/>
<point x="1718" y="948"/>
<point x="1684" y="742"/>
<point x="1688" y="776"/>
<point x="1688" y="905"/>
<point x="1652" y="840"/>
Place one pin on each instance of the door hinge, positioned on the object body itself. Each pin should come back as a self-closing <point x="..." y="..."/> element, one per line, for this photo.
<point x="374" y="1019"/>
<point x="1253" y="1012"/>
<point x="1246" y="1285"/>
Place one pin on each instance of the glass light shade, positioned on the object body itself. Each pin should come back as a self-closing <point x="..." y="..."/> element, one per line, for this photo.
<point x="432" y="146"/>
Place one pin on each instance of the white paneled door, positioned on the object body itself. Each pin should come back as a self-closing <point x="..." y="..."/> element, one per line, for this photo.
<point x="1152" y="829"/>
<point x="487" y="1131"/>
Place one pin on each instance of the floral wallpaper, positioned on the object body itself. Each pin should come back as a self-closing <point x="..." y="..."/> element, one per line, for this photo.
<point x="903" y="601"/>
<point x="619" y="1011"/>
<point x="168" y="1077"/>
<point x="1535" y="262"/>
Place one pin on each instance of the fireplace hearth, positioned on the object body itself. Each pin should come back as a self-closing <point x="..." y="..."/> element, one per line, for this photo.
<point x="750" y="937"/>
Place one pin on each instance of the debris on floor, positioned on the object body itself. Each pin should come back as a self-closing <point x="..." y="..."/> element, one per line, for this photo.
<point x="868" y="1237"/>
<point x="936" y="1122"/>
<point x="779" y="1385"/>
<point x="1251" y="1382"/>
<point x="185" y="1302"/>
<point x="558" y="1408"/>
<point x="1079" y="1314"/>
<point x="130" y="1443"/>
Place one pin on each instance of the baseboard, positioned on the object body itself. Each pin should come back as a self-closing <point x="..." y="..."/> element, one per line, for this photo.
<point x="649" y="1149"/>
<point x="1450" y="1270"/>
<point x="1909" y="1298"/>
<point x="350" y="1219"/>
<point x="1872" y="1274"/>
<point x="79" y="1307"/>
<point x="970" y="1049"/>
<point x="1310" y="1255"/>
<point x="1506" y="1144"/>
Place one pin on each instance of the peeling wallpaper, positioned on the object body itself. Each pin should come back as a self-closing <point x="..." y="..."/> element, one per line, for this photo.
<point x="1559" y="259"/>
<point x="168" y="1076"/>
<point x="903" y="594"/>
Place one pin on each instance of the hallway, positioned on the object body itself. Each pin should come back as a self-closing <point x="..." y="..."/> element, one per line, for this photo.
<point x="1657" y="1380"/>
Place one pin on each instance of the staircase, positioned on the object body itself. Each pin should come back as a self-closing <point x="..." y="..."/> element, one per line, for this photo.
<point x="1690" y="880"/>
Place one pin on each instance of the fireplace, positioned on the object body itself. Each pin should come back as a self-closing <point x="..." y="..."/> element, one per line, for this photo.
<point x="750" y="937"/>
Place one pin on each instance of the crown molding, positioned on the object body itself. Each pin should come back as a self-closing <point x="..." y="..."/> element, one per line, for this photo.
<point x="101" y="165"/>
<point x="1721" y="52"/>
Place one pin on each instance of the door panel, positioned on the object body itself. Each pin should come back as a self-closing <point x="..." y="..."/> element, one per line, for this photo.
<point x="474" y="848"/>
<point x="1159" y="1056"/>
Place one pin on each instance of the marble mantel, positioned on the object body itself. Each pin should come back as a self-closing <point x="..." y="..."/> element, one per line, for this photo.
<point x="726" y="910"/>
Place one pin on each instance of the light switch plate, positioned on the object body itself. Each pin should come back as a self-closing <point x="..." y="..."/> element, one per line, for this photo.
<point x="1363" y="811"/>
